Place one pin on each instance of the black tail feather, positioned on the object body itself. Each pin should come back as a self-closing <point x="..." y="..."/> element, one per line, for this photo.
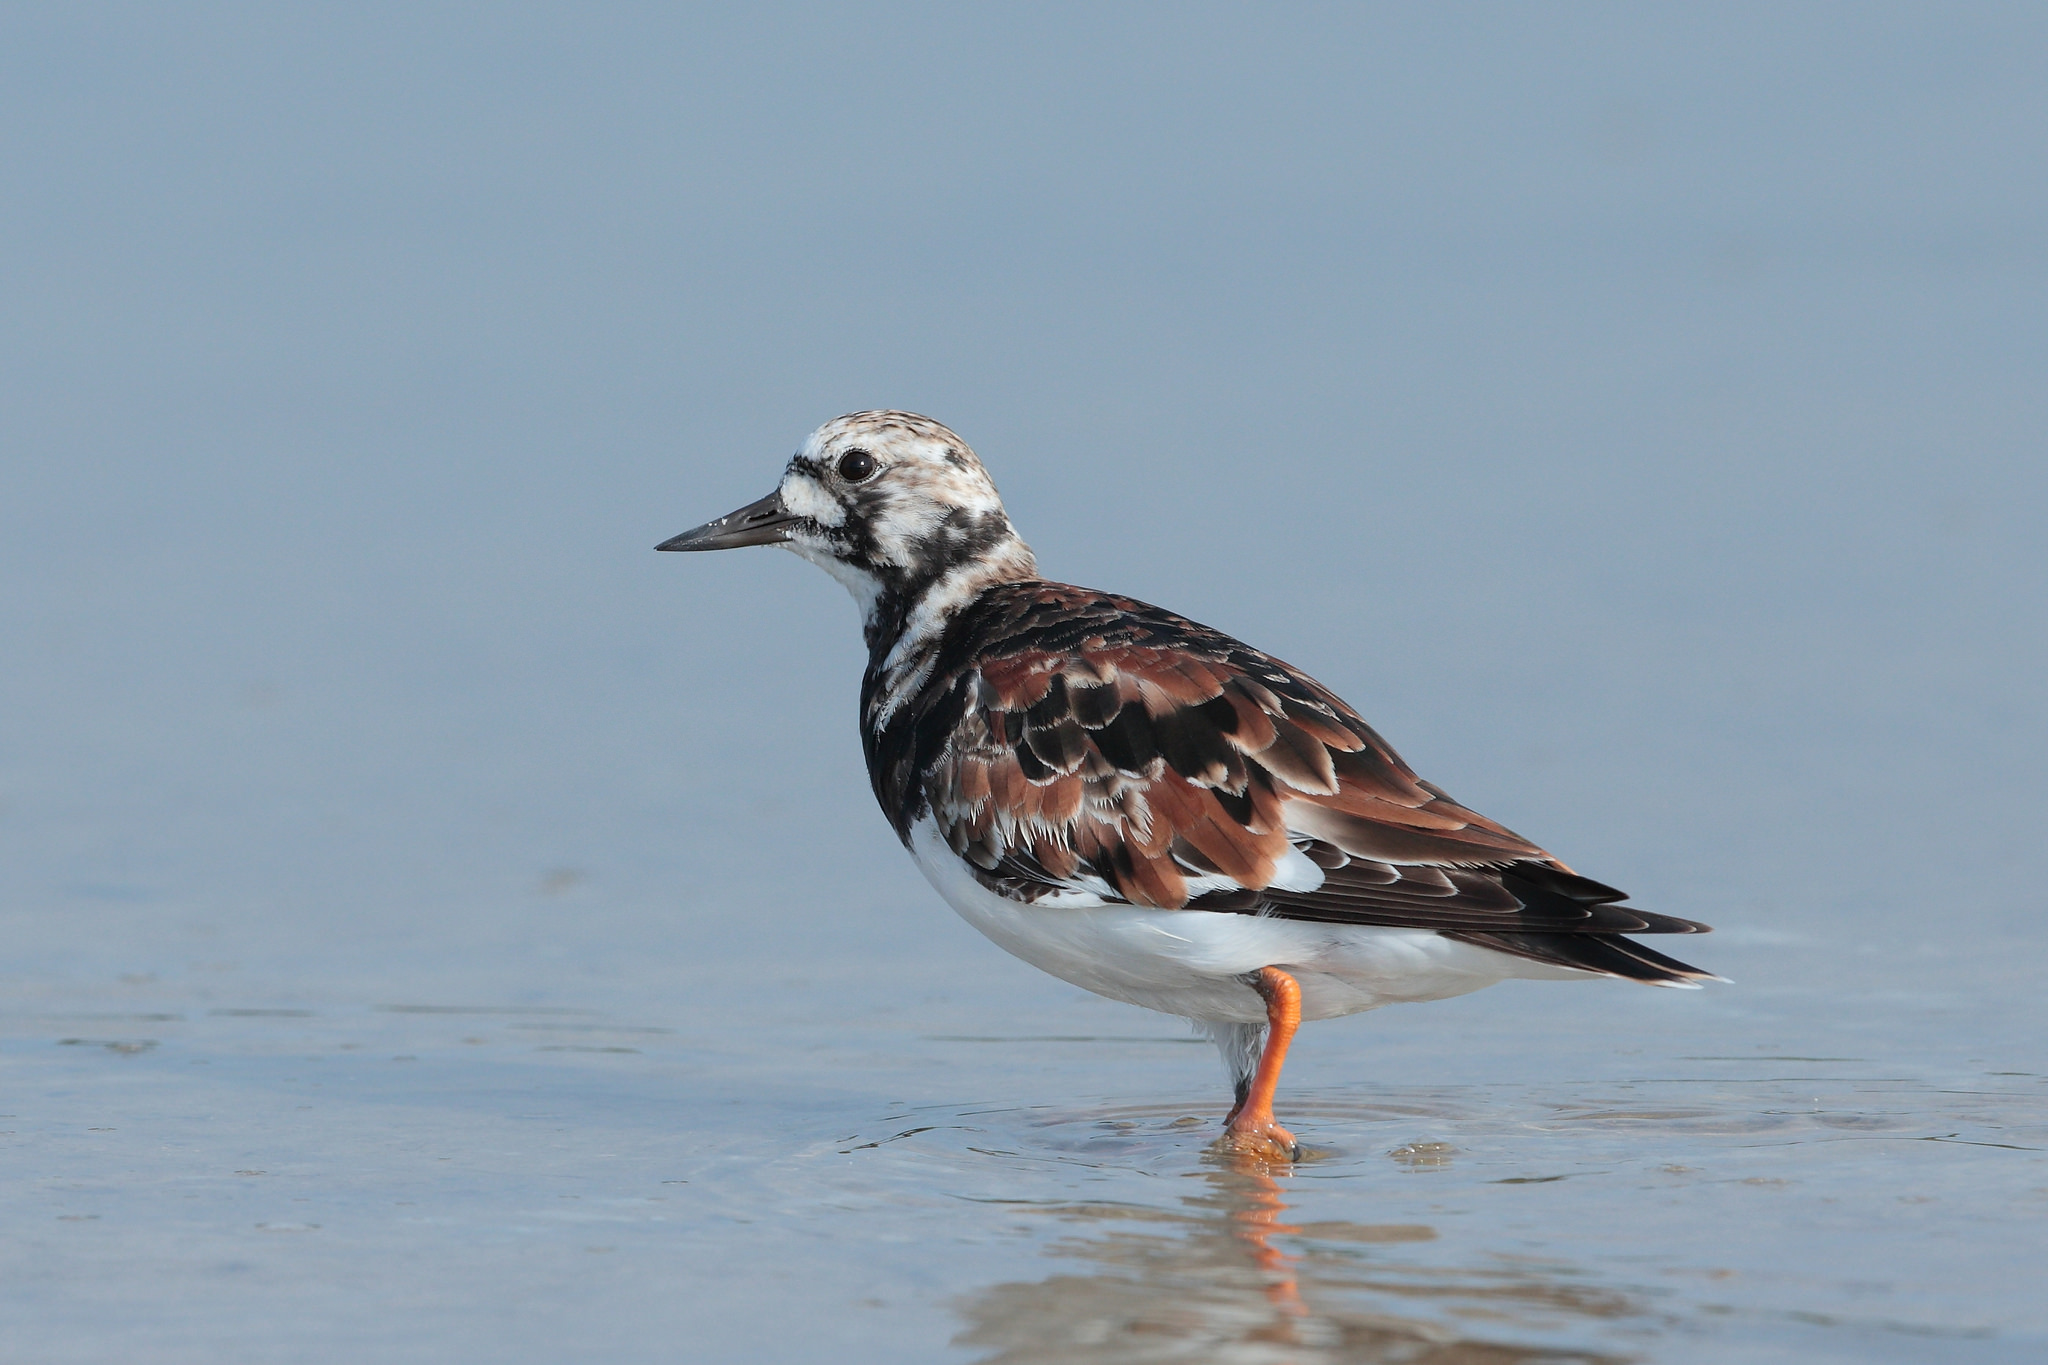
<point x="1610" y="954"/>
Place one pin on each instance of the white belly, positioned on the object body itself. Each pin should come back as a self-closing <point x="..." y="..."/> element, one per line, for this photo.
<point x="1188" y="962"/>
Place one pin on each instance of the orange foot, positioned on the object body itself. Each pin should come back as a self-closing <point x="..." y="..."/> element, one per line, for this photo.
<point x="1250" y="1129"/>
<point x="1266" y="1141"/>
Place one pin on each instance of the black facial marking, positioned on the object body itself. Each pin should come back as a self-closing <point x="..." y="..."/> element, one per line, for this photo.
<point x="962" y="537"/>
<point x="965" y="535"/>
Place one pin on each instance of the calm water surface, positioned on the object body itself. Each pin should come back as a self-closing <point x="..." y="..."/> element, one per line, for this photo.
<point x="825" y="1157"/>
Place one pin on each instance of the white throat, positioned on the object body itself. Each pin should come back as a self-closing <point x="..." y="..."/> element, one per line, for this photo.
<point x="864" y="586"/>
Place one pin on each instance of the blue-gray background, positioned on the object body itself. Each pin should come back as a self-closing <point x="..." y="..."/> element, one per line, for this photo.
<point x="1636" y="410"/>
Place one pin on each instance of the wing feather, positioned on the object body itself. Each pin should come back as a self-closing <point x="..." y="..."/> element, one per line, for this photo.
<point x="1142" y="758"/>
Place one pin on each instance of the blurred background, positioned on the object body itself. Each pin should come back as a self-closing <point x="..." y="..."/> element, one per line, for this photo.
<point x="1635" y="410"/>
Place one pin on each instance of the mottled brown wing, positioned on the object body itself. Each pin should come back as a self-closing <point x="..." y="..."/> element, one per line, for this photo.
<point x="1170" y="777"/>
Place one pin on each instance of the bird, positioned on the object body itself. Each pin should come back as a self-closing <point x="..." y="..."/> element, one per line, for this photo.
<point x="1149" y="808"/>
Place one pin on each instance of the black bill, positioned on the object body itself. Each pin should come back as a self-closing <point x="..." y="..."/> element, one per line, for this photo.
<point x="766" y="522"/>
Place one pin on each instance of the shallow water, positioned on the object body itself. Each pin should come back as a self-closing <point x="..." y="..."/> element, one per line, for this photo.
<point x="768" y="1162"/>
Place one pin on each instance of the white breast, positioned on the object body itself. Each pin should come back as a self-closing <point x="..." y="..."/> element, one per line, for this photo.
<point x="1189" y="962"/>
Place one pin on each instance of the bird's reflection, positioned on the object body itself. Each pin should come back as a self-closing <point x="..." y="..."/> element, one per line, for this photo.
<point x="1205" y="1281"/>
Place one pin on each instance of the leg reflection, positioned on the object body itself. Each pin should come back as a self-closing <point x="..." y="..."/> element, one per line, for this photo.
<point x="1205" y="1280"/>
<point x="1253" y="1206"/>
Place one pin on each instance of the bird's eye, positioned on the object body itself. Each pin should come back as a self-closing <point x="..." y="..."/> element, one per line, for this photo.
<point x="856" y="465"/>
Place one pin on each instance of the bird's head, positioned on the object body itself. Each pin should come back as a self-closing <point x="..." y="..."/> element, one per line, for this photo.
<point x="889" y="503"/>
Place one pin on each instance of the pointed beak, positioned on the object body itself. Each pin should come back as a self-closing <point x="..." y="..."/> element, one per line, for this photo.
<point x="766" y="522"/>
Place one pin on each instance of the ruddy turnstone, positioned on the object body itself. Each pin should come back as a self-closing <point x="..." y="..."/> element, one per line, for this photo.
<point x="1146" y="807"/>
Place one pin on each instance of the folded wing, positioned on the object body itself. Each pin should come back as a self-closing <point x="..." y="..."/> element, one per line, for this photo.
<point x="1161" y="764"/>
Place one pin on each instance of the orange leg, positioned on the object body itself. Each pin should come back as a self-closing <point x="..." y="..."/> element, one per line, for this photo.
<point x="1250" y="1129"/>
